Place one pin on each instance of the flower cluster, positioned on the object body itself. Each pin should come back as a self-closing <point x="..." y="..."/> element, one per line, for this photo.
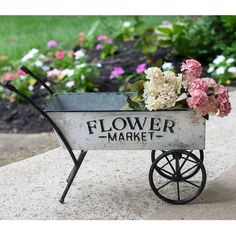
<point x="162" y="89"/>
<point x="204" y="96"/>
<point x="223" y="68"/>
<point x="166" y="90"/>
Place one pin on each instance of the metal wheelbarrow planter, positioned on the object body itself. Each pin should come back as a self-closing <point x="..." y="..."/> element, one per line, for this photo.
<point x="94" y="121"/>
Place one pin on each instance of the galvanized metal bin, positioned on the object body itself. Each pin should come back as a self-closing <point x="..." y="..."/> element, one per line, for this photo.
<point x="93" y="121"/>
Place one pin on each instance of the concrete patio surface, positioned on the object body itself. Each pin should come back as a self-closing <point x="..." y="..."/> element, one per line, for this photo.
<point x="114" y="184"/>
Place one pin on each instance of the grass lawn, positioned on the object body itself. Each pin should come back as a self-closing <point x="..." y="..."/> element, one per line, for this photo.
<point x="18" y="34"/>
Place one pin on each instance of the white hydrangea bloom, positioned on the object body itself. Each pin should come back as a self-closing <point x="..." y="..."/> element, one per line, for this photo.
<point x="230" y="60"/>
<point x="232" y="69"/>
<point x="162" y="89"/>
<point x="219" y="59"/>
<point x="220" y="70"/>
<point x="210" y="69"/>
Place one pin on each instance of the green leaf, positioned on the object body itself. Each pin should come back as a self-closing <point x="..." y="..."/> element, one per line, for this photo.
<point x="138" y="87"/>
<point x="159" y="63"/>
<point x="149" y="48"/>
<point x="165" y="30"/>
<point x="133" y="105"/>
<point x="165" y="42"/>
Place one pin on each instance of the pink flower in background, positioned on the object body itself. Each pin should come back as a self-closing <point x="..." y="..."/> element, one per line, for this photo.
<point x="20" y="72"/>
<point x="102" y="37"/>
<point x="191" y="68"/>
<point x="222" y="98"/>
<point x="116" y="72"/>
<point x="52" y="43"/>
<point x="98" y="47"/>
<point x="55" y="73"/>
<point x="81" y="36"/>
<point x="199" y="84"/>
<point x="11" y="76"/>
<point x="60" y="55"/>
<point x="198" y="101"/>
<point x="140" y="68"/>
<point x="70" y="54"/>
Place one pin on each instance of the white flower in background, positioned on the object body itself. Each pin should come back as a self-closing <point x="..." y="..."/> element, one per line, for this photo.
<point x="68" y="72"/>
<point x="42" y="57"/>
<point x="46" y="68"/>
<point x="38" y="63"/>
<point x="126" y="24"/>
<point x="210" y="69"/>
<point x="230" y="60"/>
<point x="31" y="88"/>
<point x="220" y="70"/>
<point x="81" y="65"/>
<point x="219" y="59"/>
<point x="82" y="77"/>
<point x="31" y="54"/>
<point x="79" y="54"/>
<point x="167" y="66"/>
<point x="70" y="84"/>
<point x="99" y="65"/>
<point x="232" y="70"/>
<point x="22" y="77"/>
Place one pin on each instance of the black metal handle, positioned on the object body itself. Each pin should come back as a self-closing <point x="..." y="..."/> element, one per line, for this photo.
<point x="10" y="87"/>
<point x="29" y="72"/>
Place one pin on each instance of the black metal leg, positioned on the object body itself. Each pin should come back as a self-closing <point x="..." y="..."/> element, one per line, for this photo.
<point x="73" y="169"/>
<point x="72" y="175"/>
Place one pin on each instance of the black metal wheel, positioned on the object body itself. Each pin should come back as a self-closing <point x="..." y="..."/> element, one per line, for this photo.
<point x="170" y="159"/>
<point x="177" y="187"/>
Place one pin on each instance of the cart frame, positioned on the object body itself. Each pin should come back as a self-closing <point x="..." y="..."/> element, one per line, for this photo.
<point x="175" y="176"/>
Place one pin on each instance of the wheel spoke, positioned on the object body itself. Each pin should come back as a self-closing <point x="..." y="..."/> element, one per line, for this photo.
<point x="189" y="159"/>
<point x="165" y="171"/>
<point x="164" y="185"/>
<point x="166" y="163"/>
<point x="190" y="169"/>
<point x="191" y="183"/>
<point x="170" y="164"/>
<point x="178" y="190"/>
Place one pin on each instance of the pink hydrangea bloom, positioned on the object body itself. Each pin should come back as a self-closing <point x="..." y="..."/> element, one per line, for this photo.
<point x="192" y="69"/>
<point x="211" y="83"/>
<point x="98" y="47"/>
<point x="140" y="68"/>
<point x="117" y="71"/>
<point x="52" y="43"/>
<point x="222" y="98"/>
<point x="199" y="84"/>
<point x="60" y="55"/>
<point x="198" y="101"/>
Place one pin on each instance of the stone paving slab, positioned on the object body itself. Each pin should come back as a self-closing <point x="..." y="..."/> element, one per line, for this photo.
<point x="114" y="184"/>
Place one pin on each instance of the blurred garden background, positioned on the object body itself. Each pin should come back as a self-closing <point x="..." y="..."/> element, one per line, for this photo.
<point x="103" y="53"/>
